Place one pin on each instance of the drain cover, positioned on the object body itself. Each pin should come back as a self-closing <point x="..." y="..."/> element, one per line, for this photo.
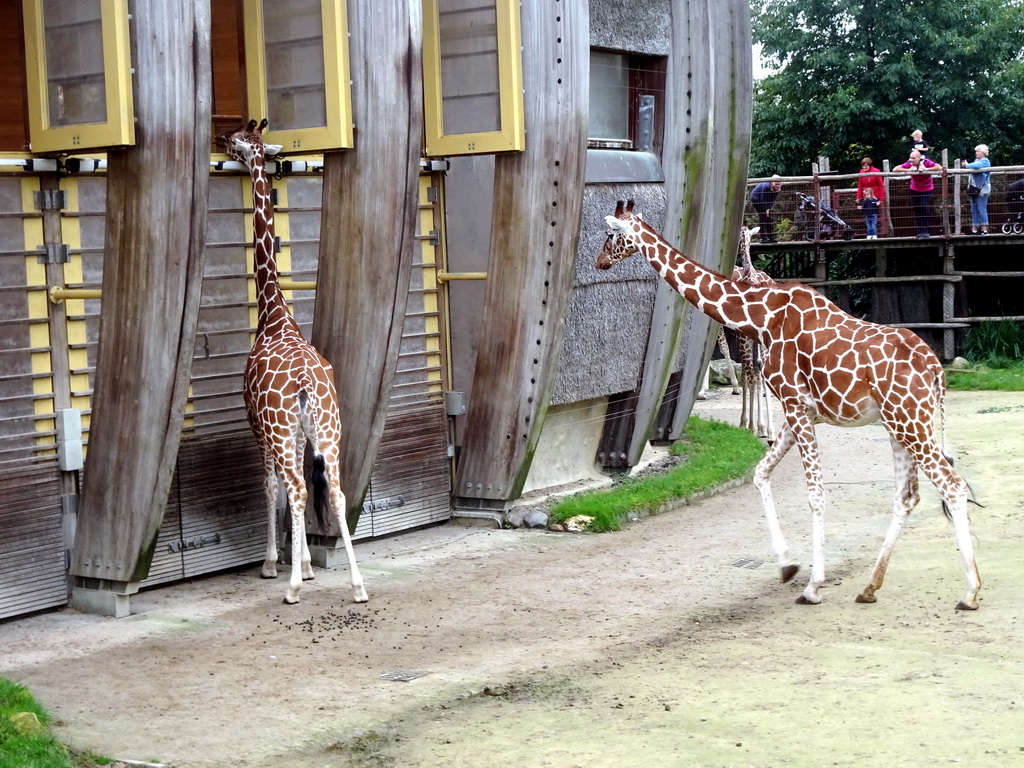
<point x="747" y="563"/>
<point x="402" y="677"/>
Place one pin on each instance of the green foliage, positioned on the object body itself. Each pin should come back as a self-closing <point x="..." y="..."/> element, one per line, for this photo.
<point x="1005" y="379"/>
<point x="715" y="453"/>
<point x="997" y="344"/>
<point x="33" y="750"/>
<point x="26" y="750"/>
<point x="855" y="77"/>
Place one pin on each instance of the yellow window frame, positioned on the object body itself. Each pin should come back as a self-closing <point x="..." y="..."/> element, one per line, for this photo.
<point x="337" y="134"/>
<point x="119" y="128"/>
<point x="511" y="136"/>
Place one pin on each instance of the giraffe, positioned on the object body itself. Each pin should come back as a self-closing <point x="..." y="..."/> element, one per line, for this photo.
<point x="824" y="366"/>
<point x="288" y="391"/>
<point x="756" y="413"/>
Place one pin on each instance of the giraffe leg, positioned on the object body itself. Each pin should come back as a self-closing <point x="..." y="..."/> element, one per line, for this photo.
<point x="269" y="569"/>
<point x="803" y="429"/>
<point x="762" y="481"/>
<point x="954" y="492"/>
<point x="296" y="486"/>
<point x="338" y="505"/>
<point x="906" y="498"/>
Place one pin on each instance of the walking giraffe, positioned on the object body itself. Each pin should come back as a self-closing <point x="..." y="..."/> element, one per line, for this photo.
<point x="288" y="391"/>
<point x="826" y="366"/>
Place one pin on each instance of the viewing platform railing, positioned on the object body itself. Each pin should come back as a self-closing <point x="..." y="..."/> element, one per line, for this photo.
<point x="822" y="207"/>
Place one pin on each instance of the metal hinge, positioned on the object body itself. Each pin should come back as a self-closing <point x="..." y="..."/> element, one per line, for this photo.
<point x="54" y="253"/>
<point x="433" y="237"/>
<point x="432" y="195"/>
<point x="50" y="199"/>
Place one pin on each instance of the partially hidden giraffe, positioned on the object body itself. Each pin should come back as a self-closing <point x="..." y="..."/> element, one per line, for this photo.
<point x="824" y="366"/>
<point x="756" y="412"/>
<point x="289" y="392"/>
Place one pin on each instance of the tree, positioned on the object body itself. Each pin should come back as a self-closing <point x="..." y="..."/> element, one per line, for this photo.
<point x="855" y="77"/>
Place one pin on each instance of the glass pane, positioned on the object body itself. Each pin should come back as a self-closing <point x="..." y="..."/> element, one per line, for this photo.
<point x="469" y="67"/>
<point x="76" y="92"/>
<point x="609" y="96"/>
<point x="293" y="36"/>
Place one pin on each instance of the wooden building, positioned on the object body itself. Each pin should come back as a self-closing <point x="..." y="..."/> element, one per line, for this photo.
<point x="445" y="172"/>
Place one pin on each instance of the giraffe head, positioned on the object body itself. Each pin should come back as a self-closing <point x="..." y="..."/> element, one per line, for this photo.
<point x="623" y="235"/>
<point x="247" y="143"/>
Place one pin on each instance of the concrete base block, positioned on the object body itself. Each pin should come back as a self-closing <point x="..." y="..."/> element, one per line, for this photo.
<point x="102" y="602"/>
<point x="328" y="553"/>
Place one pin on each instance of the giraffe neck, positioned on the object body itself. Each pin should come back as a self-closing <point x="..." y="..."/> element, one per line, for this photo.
<point x="270" y="302"/>
<point x="721" y="299"/>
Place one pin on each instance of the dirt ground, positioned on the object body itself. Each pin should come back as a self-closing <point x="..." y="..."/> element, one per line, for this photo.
<point x="671" y="643"/>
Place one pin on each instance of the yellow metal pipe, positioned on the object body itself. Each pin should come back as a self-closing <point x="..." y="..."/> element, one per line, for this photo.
<point x="59" y="293"/>
<point x="296" y="285"/>
<point x="443" y="277"/>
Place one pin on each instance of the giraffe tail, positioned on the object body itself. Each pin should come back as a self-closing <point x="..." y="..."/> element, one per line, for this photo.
<point x="321" y="492"/>
<point x="940" y="393"/>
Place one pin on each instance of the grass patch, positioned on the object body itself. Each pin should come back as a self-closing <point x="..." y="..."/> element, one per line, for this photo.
<point x="1006" y="378"/>
<point x="22" y="748"/>
<point x="715" y="453"/>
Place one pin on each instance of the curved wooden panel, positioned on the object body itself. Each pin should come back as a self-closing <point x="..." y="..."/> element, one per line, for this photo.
<point x="367" y="231"/>
<point x="538" y="196"/>
<point x="152" y="277"/>
<point x="707" y="144"/>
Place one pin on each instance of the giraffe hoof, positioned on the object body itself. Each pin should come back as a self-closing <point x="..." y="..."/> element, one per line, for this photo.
<point x="865" y="598"/>
<point x="266" y="575"/>
<point x="289" y="600"/>
<point x="787" y="572"/>
<point x="804" y="600"/>
<point x="962" y="606"/>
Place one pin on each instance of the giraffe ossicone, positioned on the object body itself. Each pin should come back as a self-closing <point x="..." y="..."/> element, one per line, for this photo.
<point x="289" y="392"/>
<point x="824" y="366"/>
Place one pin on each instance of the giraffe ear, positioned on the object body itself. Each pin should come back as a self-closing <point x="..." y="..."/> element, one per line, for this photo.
<point x="271" y="149"/>
<point x="615" y="223"/>
<point x="752" y="231"/>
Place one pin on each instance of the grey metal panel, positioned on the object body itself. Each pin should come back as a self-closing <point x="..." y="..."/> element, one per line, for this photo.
<point x="412" y="464"/>
<point x="32" y="575"/>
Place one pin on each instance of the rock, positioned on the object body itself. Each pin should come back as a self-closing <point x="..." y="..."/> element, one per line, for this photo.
<point x="536" y="518"/>
<point x="26" y="723"/>
<point x="578" y="524"/>
<point x="720" y="371"/>
<point x="514" y="517"/>
<point x="959" y="364"/>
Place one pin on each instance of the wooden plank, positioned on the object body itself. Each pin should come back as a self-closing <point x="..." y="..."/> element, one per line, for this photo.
<point x="715" y="153"/>
<point x="367" y="239"/>
<point x="538" y="197"/>
<point x="152" y="277"/>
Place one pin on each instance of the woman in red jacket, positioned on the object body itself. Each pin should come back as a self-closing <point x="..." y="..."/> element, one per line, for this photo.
<point x="870" y="181"/>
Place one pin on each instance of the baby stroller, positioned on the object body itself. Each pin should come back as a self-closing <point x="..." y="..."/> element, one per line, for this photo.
<point x="831" y="224"/>
<point x="1015" y="208"/>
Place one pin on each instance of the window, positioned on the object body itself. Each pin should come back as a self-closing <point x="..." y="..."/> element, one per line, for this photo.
<point x="472" y="79"/>
<point x="78" y="74"/>
<point x="296" y="54"/>
<point x="627" y="101"/>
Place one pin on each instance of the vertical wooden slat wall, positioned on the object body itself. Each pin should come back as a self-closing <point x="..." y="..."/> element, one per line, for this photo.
<point x="538" y="197"/>
<point x="155" y="238"/>
<point x="368" y="227"/>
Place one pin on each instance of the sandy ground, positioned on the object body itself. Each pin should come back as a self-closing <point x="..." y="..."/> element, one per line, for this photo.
<point x="671" y="643"/>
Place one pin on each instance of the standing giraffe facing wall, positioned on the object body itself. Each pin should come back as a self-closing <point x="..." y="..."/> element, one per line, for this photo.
<point x="288" y="391"/>
<point x="823" y="365"/>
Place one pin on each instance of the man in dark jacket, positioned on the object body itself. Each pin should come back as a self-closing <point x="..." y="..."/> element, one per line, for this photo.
<point x="763" y="198"/>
